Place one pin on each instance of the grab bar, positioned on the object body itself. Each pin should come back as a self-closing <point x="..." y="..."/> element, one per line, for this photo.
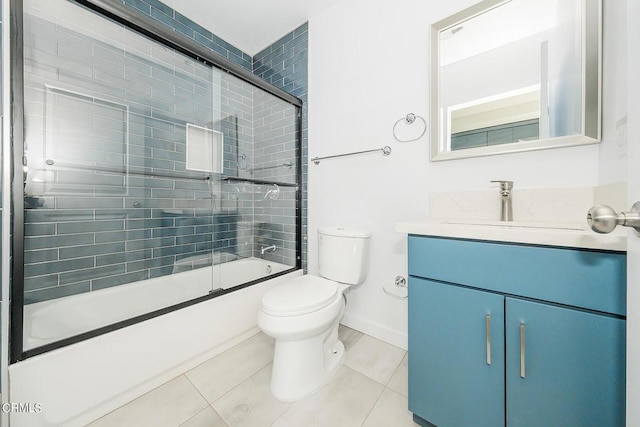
<point x="264" y="168"/>
<point x="386" y="150"/>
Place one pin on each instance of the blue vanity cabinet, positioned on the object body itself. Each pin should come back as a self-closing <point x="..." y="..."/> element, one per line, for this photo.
<point x="557" y="318"/>
<point x="456" y="377"/>
<point x="573" y="364"/>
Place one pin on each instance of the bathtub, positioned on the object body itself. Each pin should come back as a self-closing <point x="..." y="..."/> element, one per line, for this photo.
<point x="50" y="321"/>
<point x="79" y="383"/>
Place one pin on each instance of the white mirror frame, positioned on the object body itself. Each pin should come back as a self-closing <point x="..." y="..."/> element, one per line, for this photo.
<point x="591" y="87"/>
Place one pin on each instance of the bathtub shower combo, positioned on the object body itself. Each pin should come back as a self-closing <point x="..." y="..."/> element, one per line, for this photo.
<point x="155" y="175"/>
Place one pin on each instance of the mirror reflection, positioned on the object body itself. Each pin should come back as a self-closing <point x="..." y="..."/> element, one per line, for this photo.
<point x="512" y="76"/>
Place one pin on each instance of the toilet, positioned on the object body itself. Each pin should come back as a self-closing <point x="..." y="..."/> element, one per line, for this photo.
<point x="303" y="314"/>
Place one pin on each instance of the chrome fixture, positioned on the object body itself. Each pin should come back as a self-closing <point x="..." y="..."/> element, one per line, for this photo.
<point x="506" y="213"/>
<point x="488" y="337"/>
<point x="264" y="249"/>
<point x="272" y="193"/>
<point x="264" y="168"/>
<point x="400" y="282"/>
<point x="242" y="162"/>
<point x="603" y="219"/>
<point x="386" y="150"/>
<point x="523" y="351"/>
<point x="408" y="120"/>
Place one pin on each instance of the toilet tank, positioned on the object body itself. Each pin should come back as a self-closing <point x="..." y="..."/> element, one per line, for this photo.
<point x="343" y="254"/>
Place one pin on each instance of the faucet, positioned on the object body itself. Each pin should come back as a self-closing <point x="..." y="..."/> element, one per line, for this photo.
<point x="264" y="249"/>
<point x="506" y="213"/>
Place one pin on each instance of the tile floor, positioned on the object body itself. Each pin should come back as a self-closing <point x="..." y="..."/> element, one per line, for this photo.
<point x="232" y="389"/>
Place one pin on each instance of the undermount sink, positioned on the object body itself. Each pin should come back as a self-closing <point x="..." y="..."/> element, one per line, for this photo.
<point x="516" y="224"/>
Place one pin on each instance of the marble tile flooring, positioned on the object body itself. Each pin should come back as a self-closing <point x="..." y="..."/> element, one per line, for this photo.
<point x="232" y="389"/>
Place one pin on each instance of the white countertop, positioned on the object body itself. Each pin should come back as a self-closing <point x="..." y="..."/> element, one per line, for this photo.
<point x="565" y="235"/>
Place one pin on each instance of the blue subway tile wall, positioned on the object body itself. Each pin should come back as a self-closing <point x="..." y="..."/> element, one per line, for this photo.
<point x="110" y="198"/>
<point x="88" y="228"/>
<point x="284" y="64"/>
<point x="186" y="26"/>
<point x="275" y="153"/>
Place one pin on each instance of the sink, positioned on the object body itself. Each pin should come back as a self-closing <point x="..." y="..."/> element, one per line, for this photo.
<point x="517" y="224"/>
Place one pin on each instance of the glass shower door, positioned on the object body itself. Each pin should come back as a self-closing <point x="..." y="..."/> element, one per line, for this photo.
<point x="122" y="138"/>
<point x="152" y="179"/>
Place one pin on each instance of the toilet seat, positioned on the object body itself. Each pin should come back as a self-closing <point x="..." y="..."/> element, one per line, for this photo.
<point x="302" y="295"/>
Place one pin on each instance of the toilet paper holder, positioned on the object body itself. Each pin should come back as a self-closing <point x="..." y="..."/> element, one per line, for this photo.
<point x="400" y="282"/>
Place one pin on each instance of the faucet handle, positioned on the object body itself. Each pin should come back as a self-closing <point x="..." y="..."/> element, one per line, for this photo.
<point x="505" y="185"/>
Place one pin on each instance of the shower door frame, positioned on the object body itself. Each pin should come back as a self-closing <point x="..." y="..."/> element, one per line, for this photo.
<point x="156" y="31"/>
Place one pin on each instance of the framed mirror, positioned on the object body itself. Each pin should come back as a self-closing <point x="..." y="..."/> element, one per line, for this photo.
<point x="516" y="75"/>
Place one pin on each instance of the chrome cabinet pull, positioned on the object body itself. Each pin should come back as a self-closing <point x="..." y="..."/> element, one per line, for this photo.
<point x="522" y="351"/>
<point x="488" y="334"/>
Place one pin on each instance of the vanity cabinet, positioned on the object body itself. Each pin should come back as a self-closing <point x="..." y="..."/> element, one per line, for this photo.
<point x="507" y="334"/>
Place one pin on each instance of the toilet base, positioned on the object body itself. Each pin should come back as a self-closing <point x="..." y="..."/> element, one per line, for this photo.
<point x="302" y="367"/>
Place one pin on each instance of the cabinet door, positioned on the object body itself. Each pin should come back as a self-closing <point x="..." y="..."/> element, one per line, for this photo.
<point x="574" y="366"/>
<point x="452" y="382"/>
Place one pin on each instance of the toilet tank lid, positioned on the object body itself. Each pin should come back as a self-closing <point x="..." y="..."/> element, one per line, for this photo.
<point x="301" y="295"/>
<point x="345" y="232"/>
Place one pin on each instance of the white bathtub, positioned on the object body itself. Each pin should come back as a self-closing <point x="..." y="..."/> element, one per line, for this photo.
<point x="50" y="321"/>
<point x="81" y="382"/>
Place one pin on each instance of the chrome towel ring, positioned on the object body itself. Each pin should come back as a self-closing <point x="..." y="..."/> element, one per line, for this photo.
<point x="409" y="120"/>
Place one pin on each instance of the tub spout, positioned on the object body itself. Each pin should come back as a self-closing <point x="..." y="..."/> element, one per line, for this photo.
<point x="265" y="249"/>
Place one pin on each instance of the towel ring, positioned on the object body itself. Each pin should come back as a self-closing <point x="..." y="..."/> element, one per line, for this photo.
<point x="409" y="119"/>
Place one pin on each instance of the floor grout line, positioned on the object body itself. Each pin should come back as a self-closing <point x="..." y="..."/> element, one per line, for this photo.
<point x="373" y="406"/>
<point x="358" y="337"/>
<point x="209" y="404"/>
<point x="395" y="370"/>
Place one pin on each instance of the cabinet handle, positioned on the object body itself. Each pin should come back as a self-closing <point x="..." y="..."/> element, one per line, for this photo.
<point x="488" y="334"/>
<point x="522" y="351"/>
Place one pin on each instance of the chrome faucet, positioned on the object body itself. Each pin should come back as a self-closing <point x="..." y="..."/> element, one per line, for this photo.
<point x="506" y="213"/>
<point x="264" y="249"/>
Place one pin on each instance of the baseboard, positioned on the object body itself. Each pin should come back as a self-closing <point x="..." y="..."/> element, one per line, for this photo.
<point x="377" y="331"/>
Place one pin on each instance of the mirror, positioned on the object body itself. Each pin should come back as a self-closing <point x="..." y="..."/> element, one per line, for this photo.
<point x="515" y="75"/>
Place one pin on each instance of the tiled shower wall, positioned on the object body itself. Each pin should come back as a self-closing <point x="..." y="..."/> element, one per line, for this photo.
<point x="275" y="133"/>
<point x="88" y="230"/>
<point x="284" y="64"/>
<point x="120" y="239"/>
<point x="186" y="26"/>
<point x="110" y="98"/>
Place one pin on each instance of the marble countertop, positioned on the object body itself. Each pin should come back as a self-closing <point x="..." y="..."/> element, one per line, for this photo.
<point x="565" y="235"/>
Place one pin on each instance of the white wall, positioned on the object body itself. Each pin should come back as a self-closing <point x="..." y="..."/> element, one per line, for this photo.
<point x="368" y="67"/>
<point x="613" y="154"/>
<point x="633" y="244"/>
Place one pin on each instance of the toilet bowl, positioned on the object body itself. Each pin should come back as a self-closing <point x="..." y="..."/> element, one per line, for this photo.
<point x="303" y="314"/>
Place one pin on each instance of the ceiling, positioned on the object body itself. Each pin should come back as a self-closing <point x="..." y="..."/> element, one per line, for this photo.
<point x="250" y="25"/>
